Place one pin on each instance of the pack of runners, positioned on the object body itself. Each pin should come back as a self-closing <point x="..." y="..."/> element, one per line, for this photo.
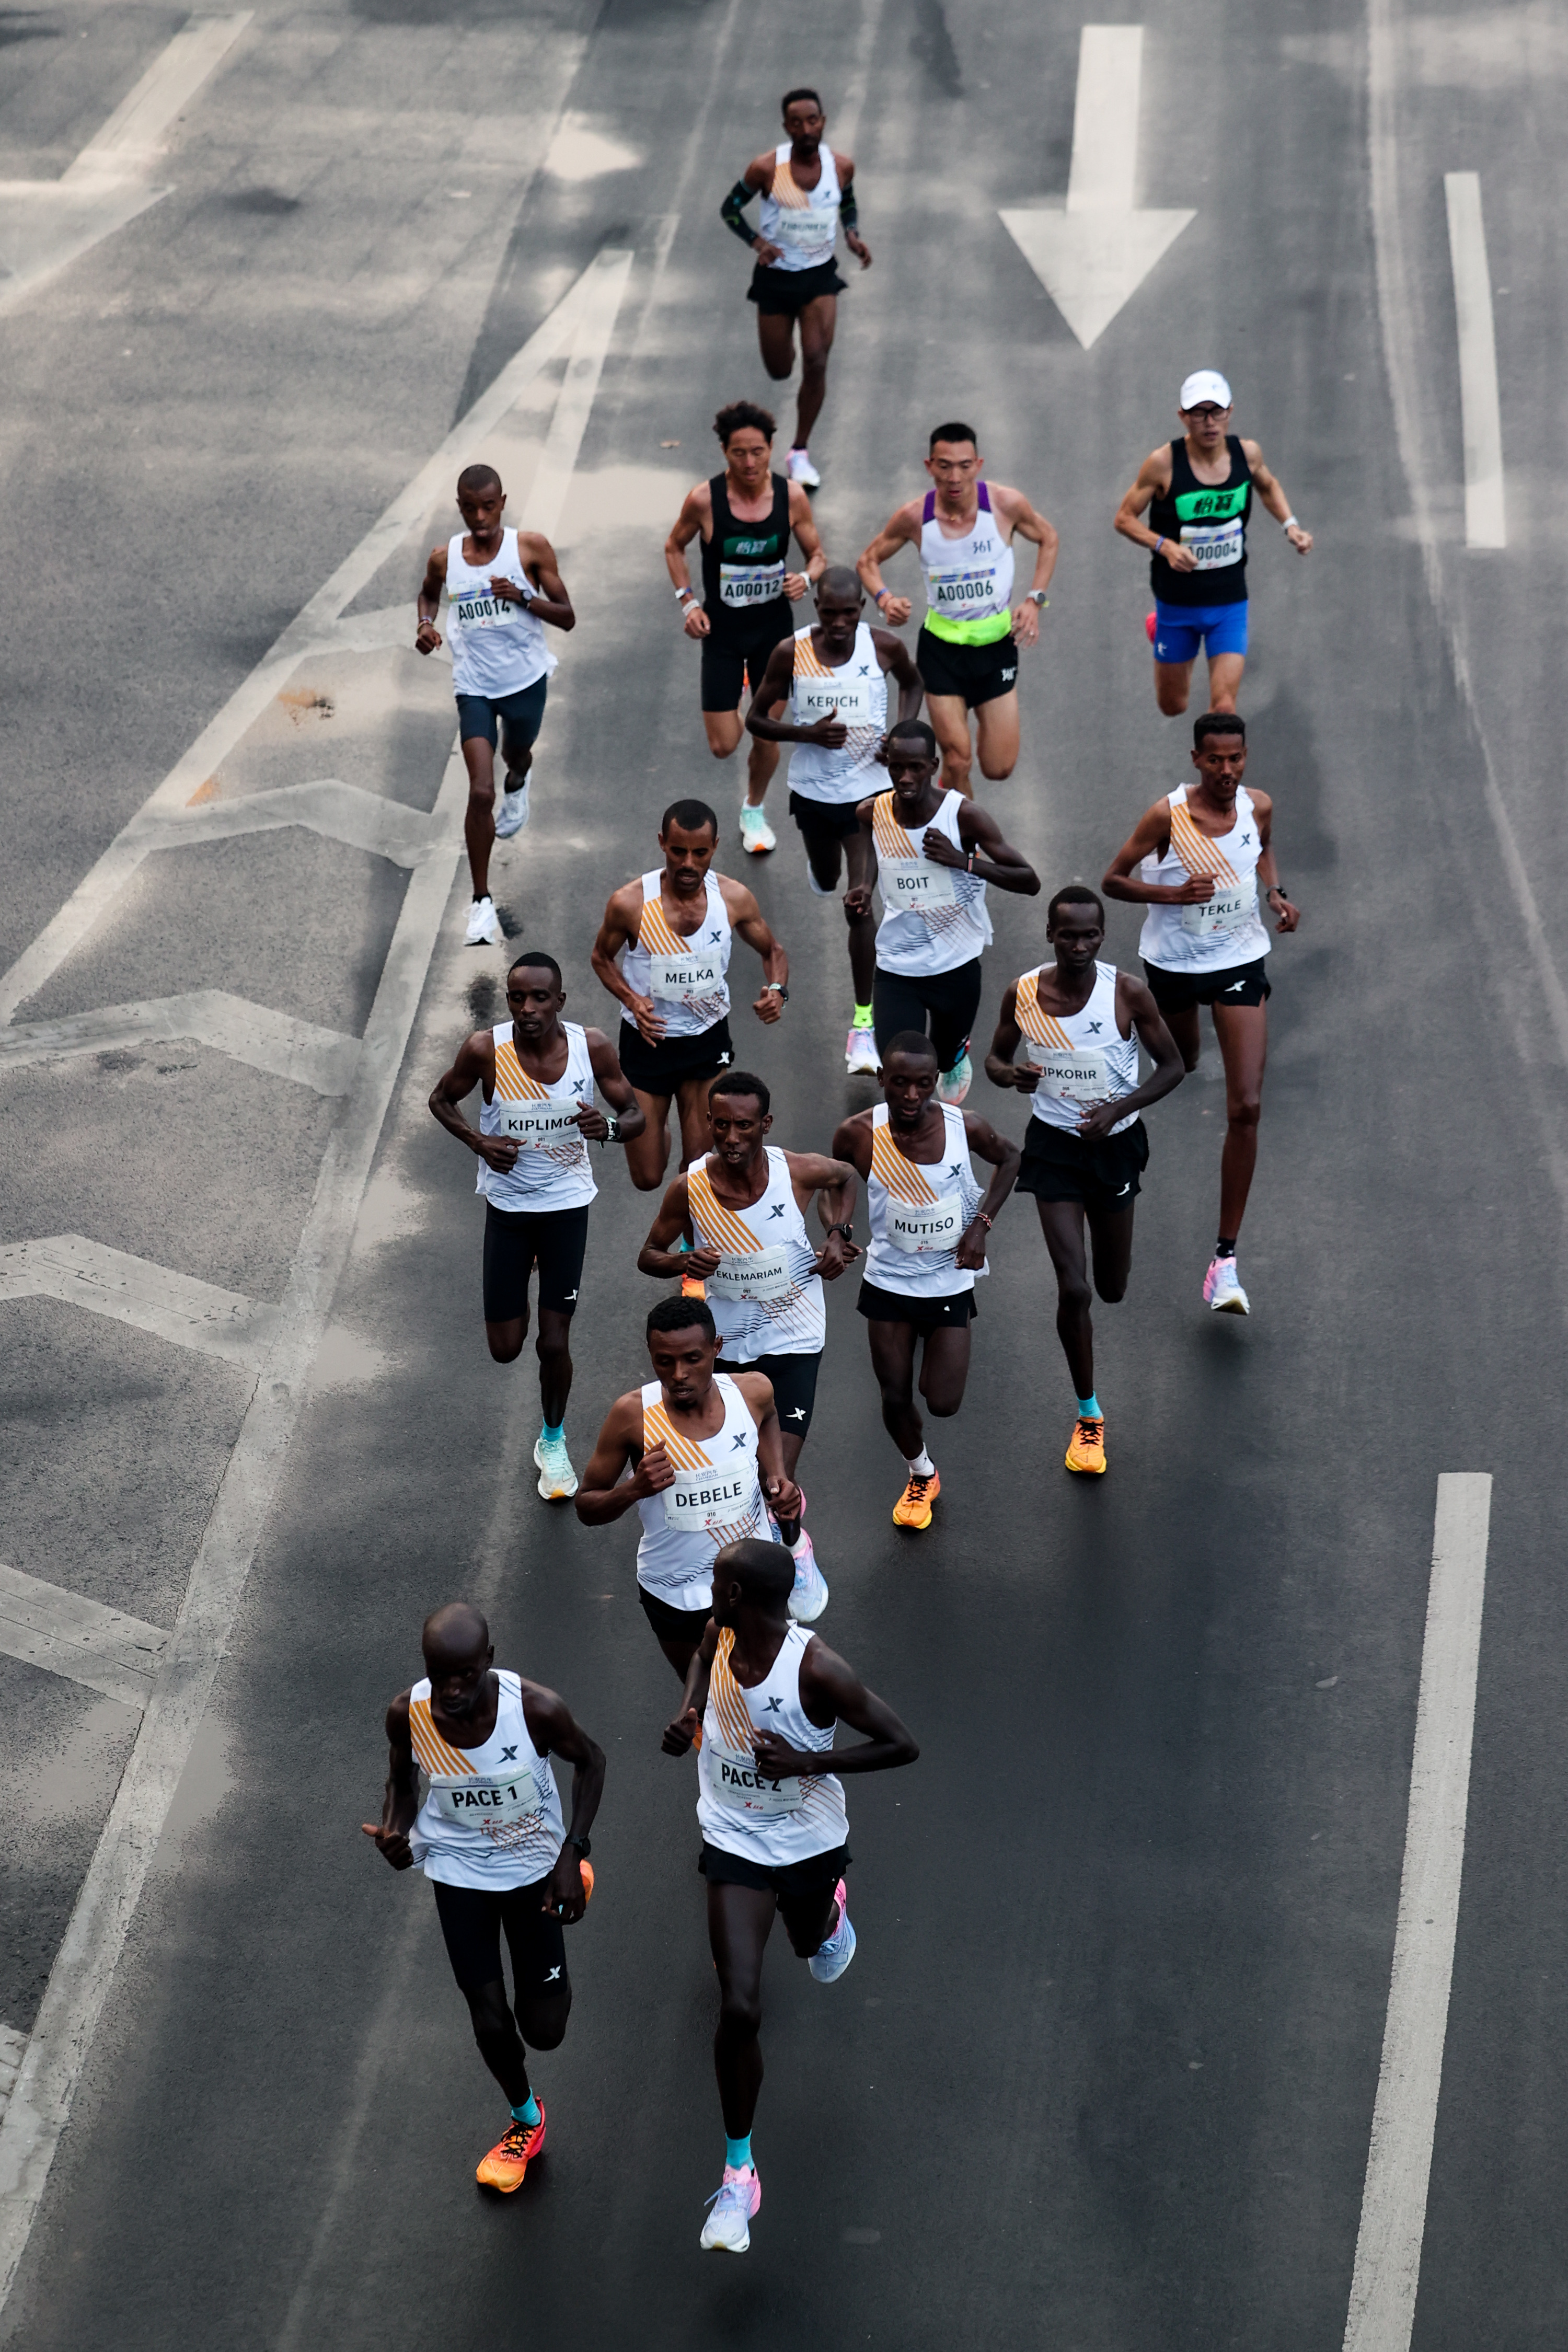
<point x="799" y="650"/>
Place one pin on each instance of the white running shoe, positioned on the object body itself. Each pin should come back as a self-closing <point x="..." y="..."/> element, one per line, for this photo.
<point x="809" y="1599"/>
<point x="734" y="2202"/>
<point x="821" y="889"/>
<point x="1223" y="1290"/>
<point x="513" y="813"/>
<point x="484" y="925"/>
<point x="756" y="833"/>
<point x="954" y="1084"/>
<point x="831" y="1958"/>
<point x="557" y="1479"/>
<point x="799" y="468"/>
<point x="862" y="1059"/>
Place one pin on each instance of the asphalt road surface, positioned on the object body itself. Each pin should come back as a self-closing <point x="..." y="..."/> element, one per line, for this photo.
<point x="1103" y="2076"/>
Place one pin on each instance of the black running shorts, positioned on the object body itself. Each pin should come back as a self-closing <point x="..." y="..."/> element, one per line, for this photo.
<point x="516" y="1242"/>
<point x="974" y="674"/>
<point x="953" y="1313"/>
<point x="472" y="1918"/>
<point x="673" y="1624"/>
<point x="734" y="662"/>
<point x="794" y="1386"/>
<point x="1060" y="1166"/>
<point x="659" y="1069"/>
<point x="785" y="293"/>
<point x="1238" y="984"/>
<point x="819" y="1873"/>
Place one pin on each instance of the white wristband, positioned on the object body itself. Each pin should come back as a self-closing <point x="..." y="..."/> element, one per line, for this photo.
<point x="1289" y="523"/>
<point x="686" y="595"/>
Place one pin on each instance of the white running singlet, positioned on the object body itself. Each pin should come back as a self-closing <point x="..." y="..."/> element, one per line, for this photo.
<point x="803" y="222"/>
<point x="766" y="1294"/>
<point x="498" y="648"/>
<point x="857" y="690"/>
<point x="1081" y="1058"/>
<point x="774" y="1822"/>
<point x="716" y="1499"/>
<point x="551" y="1170"/>
<point x="683" y="973"/>
<point x="1224" y="929"/>
<point x="492" y="1816"/>
<point x="920" y="1212"/>
<point x="968" y="580"/>
<point x="934" y="917"/>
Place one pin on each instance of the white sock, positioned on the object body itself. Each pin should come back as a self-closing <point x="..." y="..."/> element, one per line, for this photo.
<point x="922" y="1465"/>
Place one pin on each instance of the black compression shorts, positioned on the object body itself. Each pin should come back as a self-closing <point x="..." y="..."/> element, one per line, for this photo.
<point x="977" y="674"/>
<point x="516" y="1240"/>
<point x="1238" y="984"/>
<point x="659" y="1069"/>
<point x="819" y="1873"/>
<point x="733" y="663"/>
<point x="1060" y="1166"/>
<point x="672" y="1624"/>
<point x="953" y="1313"/>
<point x="901" y="1000"/>
<point x="472" y="1918"/>
<point x="794" y="1385"/>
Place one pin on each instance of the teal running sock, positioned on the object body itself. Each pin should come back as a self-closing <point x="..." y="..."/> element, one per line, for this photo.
<point x="552" y="1430"/>
<point x="738" y="2152"/>
<point x="1088" y="1409"/>
<point x="528" y="2114"/>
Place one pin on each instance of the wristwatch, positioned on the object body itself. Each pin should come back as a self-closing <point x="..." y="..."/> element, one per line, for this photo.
<point x="778" y="988"/>
<point x="1037" y="596"/>
<point x="584" y="1847"/>
<point x="848" y="1230"/>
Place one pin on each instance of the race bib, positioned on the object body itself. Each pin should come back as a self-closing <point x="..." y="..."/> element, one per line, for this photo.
<point x="963" y="594"/>
<point x="1075" y="1077"/>
<point x="911" y="882"/>
<point x="685" y="979"/>
<point x="1229" y="910"/>
<point x="539" y="1126"/>
<point x="824" y="697"/>
<point x="802" y="232"/>
<point x="710" y="1498"/>
<point x="485" y="612"/>
<point x="919" y="1230"/>
<point x="1215" y="545"/>
<point x="735" y="1781"/>
<point x="742" y="585"/>
<point x="754" y="1274"/>
<point x="480" y="1804"/>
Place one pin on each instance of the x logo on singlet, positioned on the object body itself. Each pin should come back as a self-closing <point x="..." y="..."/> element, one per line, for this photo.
<point x="777" y="1210"/>
<point x="774" y="1705"/>
<point x="739" y="1440"/>
<point x="507" y="1754"/>
<point x="864" y="670"/>
<point x="1095" y="1027"/>
<point x="1246" y="841"/>
<point x="716" y="937"/>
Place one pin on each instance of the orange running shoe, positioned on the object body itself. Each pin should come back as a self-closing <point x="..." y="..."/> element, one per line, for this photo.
<point x="508" y="2161"/>
<point x="587" y="1869"/>
<point x="913" y="1508"/>
<point x="693" y="1287"/>
<point x="1086" y="1448"/>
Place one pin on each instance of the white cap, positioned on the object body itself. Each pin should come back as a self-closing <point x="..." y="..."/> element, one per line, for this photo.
<point x="1206" y="385"/>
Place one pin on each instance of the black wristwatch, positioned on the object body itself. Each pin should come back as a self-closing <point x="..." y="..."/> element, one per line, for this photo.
<point x="778" y="988"/>
<point x="848" y="1230"/>
<point x="584" y="1847"/>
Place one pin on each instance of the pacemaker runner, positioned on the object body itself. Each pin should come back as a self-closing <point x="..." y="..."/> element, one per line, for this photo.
<point x="744" y="518"/>
<point x="1085" y="1148"/>
<point x="537" y="1074"/>
<point x="765" y="1698"/>
<point x="1201" y="856"/>
<point x="490" y="1838"/>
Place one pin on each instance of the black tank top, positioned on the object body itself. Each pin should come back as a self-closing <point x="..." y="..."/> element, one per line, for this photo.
<point x="744" y="566"/>
<point x="1210" y="518"/>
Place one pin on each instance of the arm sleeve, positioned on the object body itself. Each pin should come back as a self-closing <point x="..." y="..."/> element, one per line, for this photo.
<point x="849" y="210"/>
<point x="732" y="211"/>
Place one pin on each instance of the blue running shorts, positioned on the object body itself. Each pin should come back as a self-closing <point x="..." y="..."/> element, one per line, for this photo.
<point x="1180" y="630"/>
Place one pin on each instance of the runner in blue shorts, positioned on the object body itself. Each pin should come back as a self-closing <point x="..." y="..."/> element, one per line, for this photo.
<point x="1197" y="493"/>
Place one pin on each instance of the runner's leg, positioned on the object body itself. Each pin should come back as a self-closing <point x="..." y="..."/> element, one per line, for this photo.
<point x="647" y="1154"/>
<point x="1062" y="1221"/>
<point x="949" y="717"/>
<point x="1182" y="1021"/>
<point x="818" y="322"/>
<point x="480" y="818"/>
<point x="691" y="1110"/>
<point x="1225" y="680"/>
<point x="809" y="1920"/>
<point x="944" y="1369"/>
<point x="953" y="998"/>
<point x="893" y="1361"/>
<point x="775" y="340"/>
<point x="723" y="729"/>
<point x="1243" y="1034"/>
<point x="898" y="1004"/>
<point x="554" y="1348"/>
<point x="739" y="1919"/>
<point x="1110" y="1238"/>
<point x="997" y="736"/>
<point x="1172" y="683"/>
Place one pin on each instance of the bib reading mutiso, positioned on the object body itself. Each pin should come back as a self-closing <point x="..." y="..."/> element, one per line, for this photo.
<point x="478" y="1804"/>
<point x="709" y="1499"/>
<point x="826" y="697"/>
<point x="754" y="1274"/>
<point x="736" y="1781"/>
<point x="485" y="612"/>
<point x="1231" y="908"/>
<point x="1077" y="1077"/>
<point x="538" y="1125"/>
<point x="914" y="882"/>
<point x="685" y="978"/>
<point x="936" y="1225"/>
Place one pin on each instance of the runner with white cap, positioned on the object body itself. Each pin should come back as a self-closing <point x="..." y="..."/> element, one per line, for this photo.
<point x="1197" y="493"/>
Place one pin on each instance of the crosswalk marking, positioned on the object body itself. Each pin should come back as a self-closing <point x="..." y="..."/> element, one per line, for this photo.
<point x="45" y="1625"/>
<point x="278" y="1043"/>
<point x="135" y="1290"/>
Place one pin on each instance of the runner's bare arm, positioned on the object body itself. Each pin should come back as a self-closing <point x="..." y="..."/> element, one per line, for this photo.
<point x="475" y="1067"/>
<point x="901" y="530"/>
<point x="834" y="1181"/>
<point x="616" y="932"/>
<point x="426" y="636"/>
<point x="831" y="1692"/>
<point x="680" y="1735"/>
<point x="696" y="516"/>
<point x="615" y="1087"/>
<point x="1151" y="839"/>
<point x="803" y="522"/>
<point x="1136" y="1003"/>
<point x="898" y="662"/>
<point x="659" y="1256"/>
<point x="860" y="866"/>
<point x="852" y="1142"/>
<point x="1272" y="493"/>
<point x="554" y="1732"/>
<point x="1000" y="1066"/>
<point x="1153" y="480"/>
<point x="989" y="858"/>
<point x="401" y="1801"/>
<point x="777" y="679"/>
<point x="747" y="919"/>
<point x="850" y="211"/>
<point x="550" y="601"/>
<point x="1000" y="1152"/>
<point x="604" y="1494"/>
<point x="1268" y="872"/>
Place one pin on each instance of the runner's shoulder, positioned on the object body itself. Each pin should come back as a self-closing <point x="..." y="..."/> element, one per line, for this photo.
<point x="397" y="1719"/>
<point x="757" y="1389"/>
<point x="889" y="645"/>
<point x="844" y="165"/>
<point x="853" y="1133"/>
<point x="759" y="172"/>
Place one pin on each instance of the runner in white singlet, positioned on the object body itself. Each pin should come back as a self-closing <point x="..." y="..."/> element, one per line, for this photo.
<point x="503" y="586"/>
<point x="739" y="1215"/>
<point x="765" y="1698"/>
<point x="706" y="1467"/>
<point x="491" y="1839"/>
<point x="931" y="854"/>
<point x="929" y="1228"/>
<point x="536" y="1074"/>
<point x="963" y="531"/>
<point x="673" y="929"/>
<point x="1080" y="1021"/>
<point x="808" y="195"/>
<point x="833" y="680"/>
<point x="1199" y="861"/>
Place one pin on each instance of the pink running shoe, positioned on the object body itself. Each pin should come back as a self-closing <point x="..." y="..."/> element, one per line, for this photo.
<point x="734" y="2202"/>
<point x="1149" y="626"/>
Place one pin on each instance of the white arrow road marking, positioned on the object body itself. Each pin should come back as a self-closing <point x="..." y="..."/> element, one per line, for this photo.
<point x="45" y="1625"/>
<point x="45" y="223"/>
<point x="130" y="1289"/>
<point x="280" y="1042"/>
<point x="1092" y="257"/>
<point x="1486" y="520"/>
<point x="1404" y="2118"/>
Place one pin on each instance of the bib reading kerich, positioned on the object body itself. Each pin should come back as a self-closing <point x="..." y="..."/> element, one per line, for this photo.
<point x="818" y="699"/>
<point x="735" y="1781"/>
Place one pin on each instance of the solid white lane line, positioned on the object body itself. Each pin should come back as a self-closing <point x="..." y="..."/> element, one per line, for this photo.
<point x="278" y="1043"/>
<point x="130" y="1289"/>
<point x="103" y="1648"/>
<point x="1480" y="408"/>
<point x="558" y="459"/>
<point x="1393" y="2201"/>
<point x="132" y="140"/>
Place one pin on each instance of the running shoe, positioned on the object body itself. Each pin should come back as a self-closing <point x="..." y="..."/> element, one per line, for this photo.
<point x="1150" y="625"/>
<point x="913" y="1508"/>
<point x="954" y="1084"/>
<point x="821" y="889"/>
<point x="513" y="813"/>
<point x="1223" y="1290"/>
<point x="509" y="2159"/>
<point x="832" y="1957"/>
<point x="799" y="468"/>
<point x="756" y="833"/>
<point x="862" y="1059"/>
<point x="734" y="2202"/>
<point x="557" y="1479"/>
<point x="809" y="1599"/>
<point x="484" y="925"/>
<point x="1086" y="1447"/>
<point x="693" y="1287"/>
